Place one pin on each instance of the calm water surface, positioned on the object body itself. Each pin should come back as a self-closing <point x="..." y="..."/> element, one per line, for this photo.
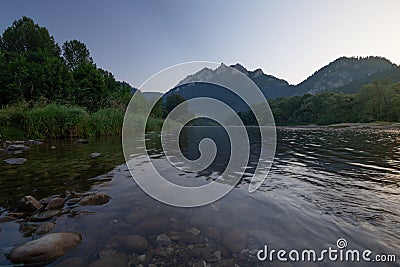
<point x="325" y="184"/>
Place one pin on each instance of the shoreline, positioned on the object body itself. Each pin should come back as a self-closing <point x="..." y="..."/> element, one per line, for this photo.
<point x="349" y="125"/>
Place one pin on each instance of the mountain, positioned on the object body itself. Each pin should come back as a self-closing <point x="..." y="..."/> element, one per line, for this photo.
<point x="342" y="72"/>
<point x="345" y="74"/>
<point x="270" y="86"/>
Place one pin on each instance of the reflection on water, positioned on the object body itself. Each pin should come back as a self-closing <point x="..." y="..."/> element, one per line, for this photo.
<point x="325" y="184"/>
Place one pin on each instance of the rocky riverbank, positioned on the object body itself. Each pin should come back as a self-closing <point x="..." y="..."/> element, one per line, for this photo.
<point x="98" y="228"/>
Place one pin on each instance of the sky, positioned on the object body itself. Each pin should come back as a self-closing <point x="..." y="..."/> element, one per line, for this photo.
<point x="287" y="39"/>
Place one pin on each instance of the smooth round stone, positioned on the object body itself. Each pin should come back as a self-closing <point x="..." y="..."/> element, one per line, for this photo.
<point x="45" y="249"/>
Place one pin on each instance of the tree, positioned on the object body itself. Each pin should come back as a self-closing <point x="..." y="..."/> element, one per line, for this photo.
<point x="90" y="90"/>
<point x="26" y="36"/>
<point x="75" y="54"/>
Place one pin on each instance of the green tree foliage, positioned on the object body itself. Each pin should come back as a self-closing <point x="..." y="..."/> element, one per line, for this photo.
<point x="75" y="53"/>
<point x="90" y="90"/>
<point x="377" y="101"/>
<point x="26" y="36"/>
<point x="32" y="69"/>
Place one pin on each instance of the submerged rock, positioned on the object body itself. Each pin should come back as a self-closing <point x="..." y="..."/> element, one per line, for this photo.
<point x="55" y="203"/>
<point x="44" y="249"/>
<point x="35" y="142"/>
<point x="193" y="231"/>
<point x="213" y="257"/>
<point x="163" y="240"/>
<point x="212" y="231"/>
<point x="15" y="161"/>
<point x="45" y="215"/>
<point x="199" y="264"/>
<point x="111" y="258"/>
<point x="44" y="228"/>
<point x="152" y="226"/>
<point x="135" y="243"/>
<point x="74" y="261"/>
<point x="96" y="199"/>
<point x="81" y="141"/>
<point x="235" y="240"/>
<point x="28" y="204"/>
<point x="16" y="147"/>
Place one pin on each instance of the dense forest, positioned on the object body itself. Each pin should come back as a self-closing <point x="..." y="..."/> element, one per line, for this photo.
<point x="33" y="67"/>
<point x="377" y="101"/>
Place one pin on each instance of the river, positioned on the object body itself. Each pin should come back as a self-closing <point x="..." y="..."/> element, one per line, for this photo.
<point x="325" y="184"/>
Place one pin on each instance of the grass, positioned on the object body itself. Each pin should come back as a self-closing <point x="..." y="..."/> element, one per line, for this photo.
<point x="21" y="122"/>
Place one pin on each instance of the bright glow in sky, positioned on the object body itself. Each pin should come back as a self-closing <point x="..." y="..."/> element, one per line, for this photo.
<point x="288" y="39"/>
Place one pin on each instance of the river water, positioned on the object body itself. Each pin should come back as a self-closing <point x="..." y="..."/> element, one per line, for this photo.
<point x="325" y="184"/>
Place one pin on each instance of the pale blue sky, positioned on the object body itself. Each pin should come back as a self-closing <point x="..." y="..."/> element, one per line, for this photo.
<point x="288" y="39"/>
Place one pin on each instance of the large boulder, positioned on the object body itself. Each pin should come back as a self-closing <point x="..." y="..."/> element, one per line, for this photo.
<point x="44" y="249"/>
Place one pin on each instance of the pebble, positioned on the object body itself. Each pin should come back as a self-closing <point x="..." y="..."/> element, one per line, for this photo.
<point x="163" y="240"/>
<point x="193" y="231"/>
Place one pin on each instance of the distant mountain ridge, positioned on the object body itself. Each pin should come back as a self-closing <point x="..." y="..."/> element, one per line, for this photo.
<point x="335" y="76"/>
<point x="342" y="71"/>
